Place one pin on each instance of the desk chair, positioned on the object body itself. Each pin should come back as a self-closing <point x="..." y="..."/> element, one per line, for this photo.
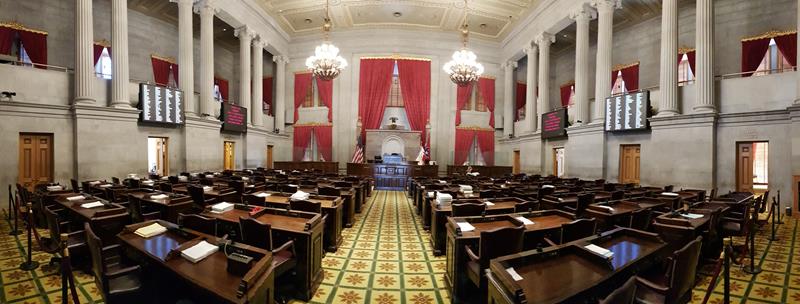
<point x="674" y="285"/>
<point x="75" y="243"/>
<point x="328" y="191"/>
<point x="140" y="213"/>
<point x="173" y="179"/>
<point x="134" y="183"/>
<point x="308" y="183"/>
<point x="625" y="294"/>
<point x="115" y="180"/>
<point x="75" y="187"/>
<point x="238" y="186"/>
<point x="468" y="209"/>
<point x="575" y="230"/>
<point x="253" y="200"/>
<point x="640" y="219"/>
<point x="118" y="282"/>
<point x="198" y="223"/>
<point x="199" y="196"/>
<point x="342" y="184"/>
<point x="166" y="187"/>
<point x="617" y="195"/>
<point x="285" y="188"/>
<point x="584" y="200"/>
<point x="258" y="234"/>
<point x="669" y="188"/>
<point x="206" y="181"/>
<point x="544" y="192"/>
<point x="526" y="206"/>
<point x="736" y="224"/>
<point x="493" y="243"/>
<point x="306" y="206"/>
<point x="487" y="193"/>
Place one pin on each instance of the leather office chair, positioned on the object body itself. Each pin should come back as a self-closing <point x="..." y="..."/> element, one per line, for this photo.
<point x="166" y="187"/>
<point x="575" y="230"/>
<point x="675" y="285"/>
<point x="468" y="209"/>
<point x="115" y="180"/>
<point x="625" y="294"/>
<point x="140" y="213"/>
<point x="271" y="187"/>
<point x="306" y="206"/>
<point x="199" y="197"/>
<point x="198" y="223"/>
<point x="173" y="179"/>
<point x="609" y="187"/>
<point x="75" y="187"/>
<point x="640" y="219"/>
<point x="342" y="184"/>
<point x="526" y="206"/>
<point x="493" y="243"/>
<point x="736" y="224"/>
<point x="487" y="194"/>
<point x="118" y="282"/>
<point x="135" y="183"/>
<point x="329" y="191"/>
<point x="584" y="200"/>
<point x="258" y="234"/>
<point x="238" y="186"/>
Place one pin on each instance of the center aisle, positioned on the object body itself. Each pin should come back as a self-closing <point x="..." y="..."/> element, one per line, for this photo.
<point x="384" y="258"/>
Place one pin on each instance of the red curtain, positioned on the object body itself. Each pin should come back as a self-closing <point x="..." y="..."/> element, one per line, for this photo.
<point x="374" y="84"/>
<point x="267" y="95"/>
<point x="301" y="139"/>
<point x="787" y="44"/>
<point x="566" y="91"/>
<point x="614" y="75"/>
<point x="520" y="99"/>
<point x="301" y="84"/>
<point x="324" y="135"/>
<point x="173" y="66"/>
<point x="6" y="39"/>
<point x="486" y="87"/>
<point x="160" y="71"/>
<point x="631" y="77"/>
<point x="325" y="88"/>
<point x="415" y="86"/>
<point x="691" y="56"/>
<point x="486" y="144"/>
<point x="462" y="98"/>
<point x="223" y="87"/>
<point x="98" y="50"/>
<point x="752" y="53"/>
<point x="463" y="142"/>
<point x="36" y="46"/>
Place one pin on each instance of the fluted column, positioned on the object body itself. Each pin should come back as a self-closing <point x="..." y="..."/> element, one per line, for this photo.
<point x="280" y="95"/>
<point x="668" y="83"/>
<point x="84" y="54"/>
<point x="257" y="108"/>
<point x="245" y="37"/>
<point x="704" y="78"/>
<point x="508" y="97"/>
<point x="206" y="12"/>
<point x="185" y="59"/>
<point x="543" y="41"/>
<point x="605" y="31"/>
<point x="582" y="17"/>
<point x="530" y="91"/>
<point x="120" y="75"/>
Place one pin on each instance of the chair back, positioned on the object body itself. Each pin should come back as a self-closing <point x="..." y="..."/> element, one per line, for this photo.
<point x="255" y="233"/>
<point x="308" y="183"/>
<point x="342" y="184"/>
<point x="764" y="200"/>
<point x="166" y="187"/>
<point x="544" y="191"/>
<point x="526" y="206"/>
<point x="499" y="242"/>
<point x="198" y="223"/>
<point x="251" y="199"/>
<point x="53" y="225"/>
<point x="577" y="229"/>
<point x="487" y="193"/>
<point x="286" y="188"/>
<point x="468" y="209"/>
<point x="237" y="185"/>
<point x="173" y="179"/>
<point x="304" y="205"/>
<point x="96" y="250"/>
<point x="206" y="181"/>
<point x="111" y="195"/>
<point x="609" y="187"/>
<point x="626" y="294"/>
<point x="640" y="219"/>
<point x="75" y="187"/>
<point x="115" y="180"/>
<point x="328" y="191"/>
<point x="669" y="188"/>
<point x="198" y="197"/>
<point x="584" y="200"/>
<point x="617" y="195"/>
<point x="684" y="267"/>
<point x="135" y="183"/>
<point x="135" y="209"/>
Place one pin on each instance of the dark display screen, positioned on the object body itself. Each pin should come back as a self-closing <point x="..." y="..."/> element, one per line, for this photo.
<point x="160" y="104"/>
<point x="554" y="124"/>
<point x="234" y="118"/>
<point x="628" y="112"/>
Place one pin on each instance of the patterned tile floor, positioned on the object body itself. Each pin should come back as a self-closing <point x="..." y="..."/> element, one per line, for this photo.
<point x="386" y="258"/>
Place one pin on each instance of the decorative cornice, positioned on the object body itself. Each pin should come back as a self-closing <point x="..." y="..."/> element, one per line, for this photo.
<point x="313" y="124"/>
<point x="770" y="35"/>
<point x="103" y="43"/>
<point x="18" y="26"/>
<point x="105" y="113"/>
<point x="531" y="49"/>
<point x="583" y="13"/>
<point x="624" y="66"/>
<point x="248" y="33"/>
<point x="206" y="6"/>
<point x="685" y="50"/>
<point x="475" y="129"/>
<point x="167" y="59"/>
<point x="30" y="109"/>
<point x="280" y="59"/>
<point x="683" y="121"/>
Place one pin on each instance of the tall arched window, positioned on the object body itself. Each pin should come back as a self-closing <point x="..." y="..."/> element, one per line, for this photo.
<point x="103" y="67"/>
<point x="773" y="62"/>
<point x="685" y="73"/>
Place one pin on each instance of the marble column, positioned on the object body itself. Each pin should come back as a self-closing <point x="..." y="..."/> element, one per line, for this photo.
<point x="280" y="94"/>
<point x="84" y="53"/>
<point x="120" y="75"/>
<point x="257" y="107"/>
<point x="605" y="42"/>
<point x="185" y="59"/>
<point x="206" y="12"/>
<point x="531" y="115"/>
<point x="704" y="77"/>
<point x="543" y="41"/>
<point x="508" y="98"/>
<point x="245" y="37"/>
<point x="582" y="17"/>
<point x="668" y="82"/>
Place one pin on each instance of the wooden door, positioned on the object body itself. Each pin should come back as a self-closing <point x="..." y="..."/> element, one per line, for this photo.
<point x="269" y="157"/>
<point x="228" y="156"/>
<point x="558" y="161"/>
<point x="629" y="164"/>
<point x="744" y="167"/>
<point x="35" y="159"/>
<point x="162" y="159"/>
<point x="516" y="168"/>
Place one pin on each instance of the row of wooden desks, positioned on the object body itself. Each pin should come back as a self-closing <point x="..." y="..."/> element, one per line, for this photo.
<point x="106" y="220"/>
<point x="332" y="208"/>
<point x="168" y="204"/>
<point x="440" y="213"/>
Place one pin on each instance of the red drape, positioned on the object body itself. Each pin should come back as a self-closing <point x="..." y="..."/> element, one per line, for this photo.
<point x="160" y="71"/>
<point x="486" y="144"/>
<point x="267" y="95"/>
<point x="691" y="57"/>
<point x="301" y="139"/>
<point x="324" y="135"/>
<point x="463" y="142"/>
<point x="462" y="98"/>
<point x="566" y="91"/>
<point x="325" y="91"/>
<point x="98" y="50"/>
<point x="486" y="87"/>
<point x="787" y="44"/>
<point x="520" y="99"/>
<point x="752" y="53"/>
<point x="374" y="84"/>
<point x="614" y="75"/>
<point x="415" y="86"/>
<point x="631" y="77"/>
<point x="301" y="84"/>
<point x="36" y="46"/>
<point x="223" y="87"/>
<point x="174" y="67"/>
<point x="7" y="35"/>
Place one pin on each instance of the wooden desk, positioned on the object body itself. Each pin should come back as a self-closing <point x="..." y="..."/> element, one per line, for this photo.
<point x="325" y="167"/>
<point x="440" y="213"/>
<point x="217" y="192"/>
<point x="570" y="273"/>
<point x="561" y="200"/>
<point x="491" y="171"/>
<point x="679" y="230"/>
<point x="304" y="228"/>
<point x="429" y="201"/>
<point x="106" y="220"/>
<point x="348" y="196"/>
<point x="169" y="207"/>
<point x="331" y="207"/>
<point x="209" y="274"/>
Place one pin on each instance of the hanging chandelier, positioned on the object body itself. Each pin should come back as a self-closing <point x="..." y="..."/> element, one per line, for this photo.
<point x="326" y="63"/>
<point x="464" y="67"/>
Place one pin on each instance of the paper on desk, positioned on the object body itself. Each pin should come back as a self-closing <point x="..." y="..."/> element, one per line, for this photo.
<point x="75" y="198"/>
<point x="669" y="194"/>
<point x="513" y="273"/>
<point x="548" y="186"/>
<point x="207" y="188"/>
<point x="199" y="252"/>
<point x="606" y="207"/>
<point x="488" y="203"/>
<point x="524" y="220"/>
<point x="92" y="205"/>
<point x="105" y="186"/>
<point x="692" y="215"/>
<point x="262" y="194"/>
<point x="221" y="207"/>
<point x="465" y="227"/>
<point x="94" y="183"/>
<point x="600" y="250"/>
<point x="150" y="230"/>
<point x="159" y="196"/>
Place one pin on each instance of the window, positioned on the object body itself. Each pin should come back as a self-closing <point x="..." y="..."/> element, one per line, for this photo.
<point x="480" y="104"/>
<point x="103" y="67"/>
<point x="619" y="85"/>
<point x="395" y="94"/>
<point x="475" y="155"/>
<point x="571" y="96"/>
<point x="217" y="93"/>
<point x="685" y="73"/>
<point x="23" y="56"/>
<point x="773" y="62"/>
<point x="309" y="101"/>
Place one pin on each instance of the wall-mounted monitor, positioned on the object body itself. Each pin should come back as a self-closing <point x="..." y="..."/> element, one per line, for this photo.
<point x="554" y="124"/>
<point x="234" y="118"/>
<point x="160" y="104"/>
<point x="628" y="112"/>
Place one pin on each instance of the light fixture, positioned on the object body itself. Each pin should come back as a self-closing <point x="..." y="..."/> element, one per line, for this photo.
<point x="326" y="63"/>
<point x="463" y="68"/>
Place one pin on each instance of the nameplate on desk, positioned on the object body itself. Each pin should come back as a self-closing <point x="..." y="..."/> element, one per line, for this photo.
<point x="600" y="250"/>
<point x="92" y="205"/>
<point x="465" y="227"/>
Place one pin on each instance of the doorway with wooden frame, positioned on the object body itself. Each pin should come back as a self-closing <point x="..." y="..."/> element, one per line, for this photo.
<point x="269" y="157"/>
<point x="35" y="159"/>
<point x="752" y="167"/>
<point x="559" y="161"/>
<point x="158" y="156"/>
<point x="629" y="161"/>
<point x="228" y="155"/>
<point x="516" y="166"/>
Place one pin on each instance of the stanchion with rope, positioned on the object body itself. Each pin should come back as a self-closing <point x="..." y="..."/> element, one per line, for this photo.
<point x="774" y="214"/>
<point x="13" y="207"/>
<point x="67" y="279"/>
<point x="29" y="264"/>
<point x="752" y="268"/>
<point x="780" y="220"/>
<point x="723" y="267"/>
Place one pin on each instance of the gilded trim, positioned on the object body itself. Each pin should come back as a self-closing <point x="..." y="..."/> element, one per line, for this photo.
<point x="770" y="35"/>
<point x="624" y="66"/>
<point x="167" y="59"/>
<point x="18" y="26"/>
<point x="396" y="57"/>
<point x="474" y="128"/>
<point x="314" y="124"/>
<point x="685" y="50"/>
<point x="103" y="43"/>
<point x="568" y="83"/>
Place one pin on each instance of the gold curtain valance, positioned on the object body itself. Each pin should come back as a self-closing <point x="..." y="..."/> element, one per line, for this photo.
<point x="475" y="128"/>
<point x="568" y="83"/>
<point x="396" y="57"/>
<point x="624" y="66"/>
<point x="103" y="43"/>
<point x="18" y="26"/>
<point x="685" y="50"/>
<point x="314" y="124"/>
<point x="770" y="35"/>
<point x="167" y="59"/>
<point x="302" y="72"/>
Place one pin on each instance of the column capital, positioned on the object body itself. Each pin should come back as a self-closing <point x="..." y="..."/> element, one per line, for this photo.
<point x="510" y="65"/>
<point x="531" y="49"/>
<point x="206" y="7"/>
<point x="258" y="41"/>
<point x="545" y="38"/>
<point x="607" y="5"/>
<point x="244" y="33"/>
<point x="184" y="1"/>
<point x="583" y="14"/>
<point x="280" y="59"/>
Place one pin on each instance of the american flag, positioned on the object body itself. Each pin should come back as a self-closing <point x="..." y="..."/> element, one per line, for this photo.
<point x="358" y="155"/>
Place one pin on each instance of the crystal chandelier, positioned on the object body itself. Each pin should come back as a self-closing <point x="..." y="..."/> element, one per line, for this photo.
<point x="326" y="63"/>
<point x="464" y="67"/>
